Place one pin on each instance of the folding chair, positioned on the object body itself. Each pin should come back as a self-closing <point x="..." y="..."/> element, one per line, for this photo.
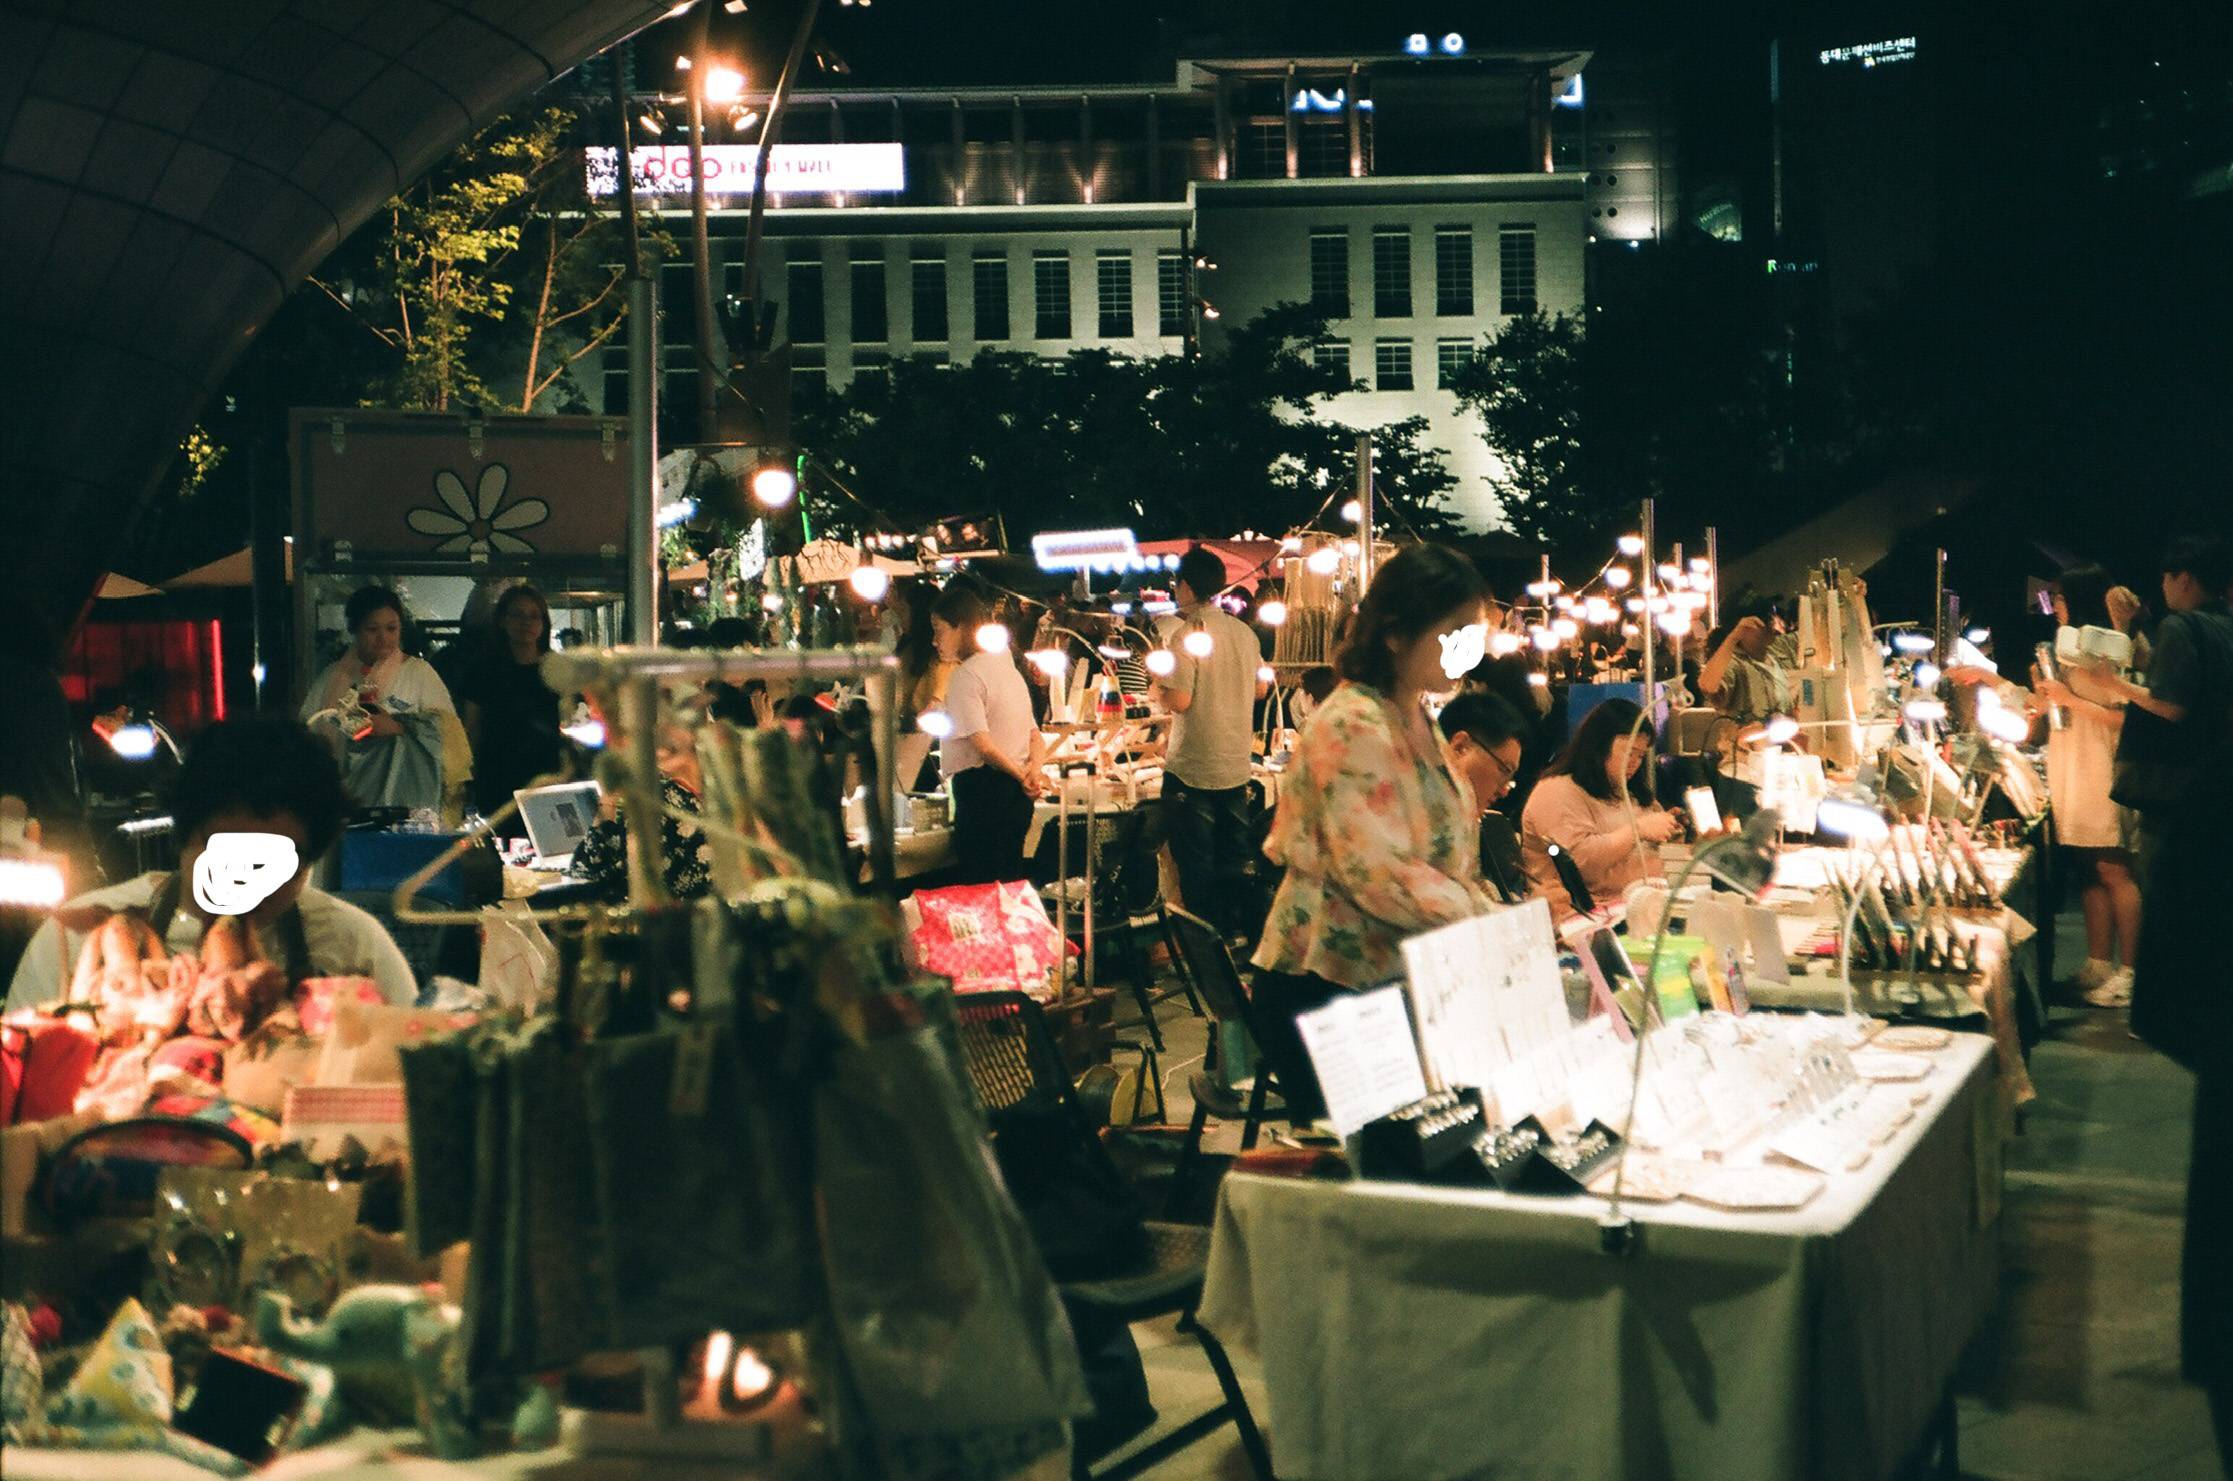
<point x="1015" y="1065"/>
<point x="1207" y="961"/>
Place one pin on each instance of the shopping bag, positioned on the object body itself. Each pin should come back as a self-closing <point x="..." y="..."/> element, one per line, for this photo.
<point x="987" y="938"/>
<point x="944" y="1311"/>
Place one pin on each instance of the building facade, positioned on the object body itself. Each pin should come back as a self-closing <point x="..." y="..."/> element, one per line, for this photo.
<point x="1420" y="197"/>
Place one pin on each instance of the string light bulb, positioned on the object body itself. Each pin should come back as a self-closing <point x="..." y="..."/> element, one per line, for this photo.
<point x="1631" y="545"/>
<point x="1618" y="576"/>
<point x="1197" y="644"/>
<point x="870" y="583"/>
<point x="1324" y="561"/>
<point x="1272" y="613"/>
<point x="1162" y="663"/>
<point x="992" y="637"/>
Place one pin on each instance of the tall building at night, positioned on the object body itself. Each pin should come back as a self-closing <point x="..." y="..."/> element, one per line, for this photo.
<point x="1421" y="196"/>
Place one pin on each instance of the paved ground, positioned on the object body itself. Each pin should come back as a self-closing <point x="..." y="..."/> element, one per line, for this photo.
<point x="2076" y="1379"/>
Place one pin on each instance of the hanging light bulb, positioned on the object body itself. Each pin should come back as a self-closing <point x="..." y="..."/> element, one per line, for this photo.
<point x="1566" y="628"/>
<point x="1618" y="576"/>
<point x="1264" y="674"/>
<point x="2002" y="724"/>
<point x="1634" y="604"/>
<point x="1049" y="661"/>
<point x="1352" y="511"/>
<point x="1324" y="561"/>
<point x="1197" y="643"/>
<point x="869" y="583"/>
<point x="992" y="637"/>
<point x="936" y="724"/>
<point x="1671" y="574"/>
<point x="772" y="602"/>
<point x="1700" y="566"/>
<point x="1925" y="711"/>
<point x="1504" y="644"/>
<point x="1631" y="545"/>
<point x="1162" y="663"/>
<point x="1544" y="638"/>
<point x="1272" y="613"/>
<point x="1674" y="622"/>
<point x="1781" y="730"/>
<point x="1926" y="674"/>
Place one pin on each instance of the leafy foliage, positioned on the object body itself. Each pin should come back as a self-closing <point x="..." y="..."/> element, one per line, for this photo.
<point x="1526" y="386"/>
<point x="1235" y="438"/>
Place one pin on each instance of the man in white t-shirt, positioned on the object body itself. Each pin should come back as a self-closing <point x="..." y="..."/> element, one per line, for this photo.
<point x="257" y="777"/>
<point x="1206" y="768"/>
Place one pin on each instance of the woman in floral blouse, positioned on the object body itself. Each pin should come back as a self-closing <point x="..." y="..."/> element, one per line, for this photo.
<point x="1376" y="827"/>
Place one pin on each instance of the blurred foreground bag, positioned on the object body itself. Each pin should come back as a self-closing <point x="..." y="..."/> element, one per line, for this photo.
<point x="945" y="1313"/>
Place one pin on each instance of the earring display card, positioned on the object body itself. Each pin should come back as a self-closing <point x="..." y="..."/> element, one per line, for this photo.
<point x="1366" y="1059"/>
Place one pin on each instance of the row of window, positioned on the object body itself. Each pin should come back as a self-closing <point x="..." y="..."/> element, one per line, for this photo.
<point x="1453" y="271"/>
<point x="1053" y="315"/>
<point x="1391" y="361"/>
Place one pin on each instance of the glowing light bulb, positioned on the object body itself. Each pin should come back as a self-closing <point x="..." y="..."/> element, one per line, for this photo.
<point x="1631" y="545"/>
<point x="589" y="733"/>
<point x="1504" y="645"/>
<point x="1197" y="644"/>
<point x="33" y="883"/>
<point x="1324" y="561"/>
<point x="1162" y="663"/>
<point x="1925" y="711"/>
<point x="1926" y="674"/>
<point x="869" y="583"/>
<point x="1675" y="622"/>
<point x="1634" y="604"/>
<point x="1352" y="511"/>
<point x="1540" y="681"/>
<point x="772" y="602"/>
<point x="1264" y="674"/>
<point x="1618" y="576"/>
<point x="1781" y="730"/>
<point x="2003" y="724"/>
<point x="1913" y="642"/>
<point x="1049" y="661"/>
<point x="723" y="84"/>
<point x="1543" y="638"/>
<point x="1855" y="820"/>
<point x="133" y="742"/>
<point x="1699" y="565"/>
<point x="1566" y="628"/>
<point x="1272" y="613"/>
<point x="935" y="723"/>
<point x="992" y="637"/>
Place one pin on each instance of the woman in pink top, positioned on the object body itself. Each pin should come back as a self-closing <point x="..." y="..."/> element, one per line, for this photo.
<point x="1595" y="804"/>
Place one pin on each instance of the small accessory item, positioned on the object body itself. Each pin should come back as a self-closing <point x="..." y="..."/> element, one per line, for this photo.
<point x="111" y="1170"/>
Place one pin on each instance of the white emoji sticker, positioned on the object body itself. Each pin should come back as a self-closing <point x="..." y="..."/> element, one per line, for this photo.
<point x="1462" y="650"/>
<point x="239" y="871"/>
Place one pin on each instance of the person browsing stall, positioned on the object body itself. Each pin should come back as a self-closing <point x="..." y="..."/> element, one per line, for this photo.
<point x="1747" y="677"/>
<point x="1487" y="744"/>
<point x="511" y="715"/>
<point x="1376" y="828"/>
<point x="990" y="751"/>
<point x="259" y="777"/>
<point x="1594" y="805"/>
<point x="383" y="709"/>
<point x="1212" y="700"/>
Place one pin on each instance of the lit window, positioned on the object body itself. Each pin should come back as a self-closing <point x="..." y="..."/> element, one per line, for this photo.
<point x="1450" y="356"/>
<point x="1170" y="294"/>
<point x="1515" y="263"/>
<point x="1391" y="272"/>
<point x="1050" y="295"/>
<point x="989" y="285"/>
<point x="872" y="317"/>
<point x="1329" y="273"/>
<point x="1453" y="271"/>
<point x="927" y="282"/>
<point x="803" y="283"/>
<point x="1112" y="291"/>
<point x="1391" y="364"/>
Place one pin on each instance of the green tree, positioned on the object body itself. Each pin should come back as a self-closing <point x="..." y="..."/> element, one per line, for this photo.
<point x="1526" y="387"/>
<point x="489" y="278"/>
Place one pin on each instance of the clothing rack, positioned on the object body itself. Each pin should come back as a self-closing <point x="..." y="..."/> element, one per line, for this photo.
<point x="633" y="676"/>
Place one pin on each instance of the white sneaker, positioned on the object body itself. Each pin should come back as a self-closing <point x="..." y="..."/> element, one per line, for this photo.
<point x="2116" y="992"/>
<point x="2094" y="973"/>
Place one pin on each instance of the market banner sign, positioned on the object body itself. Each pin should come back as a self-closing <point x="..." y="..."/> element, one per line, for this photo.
<point x="428" y="490"/>
<point x="796" y="169"/>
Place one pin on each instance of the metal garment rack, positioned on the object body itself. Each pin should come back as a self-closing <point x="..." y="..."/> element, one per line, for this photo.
<point x="633" y="677"/>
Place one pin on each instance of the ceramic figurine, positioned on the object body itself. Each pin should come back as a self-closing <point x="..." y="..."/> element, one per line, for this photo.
<point x="385" y="1345"/>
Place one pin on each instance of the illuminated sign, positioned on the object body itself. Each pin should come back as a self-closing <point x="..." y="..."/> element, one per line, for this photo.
<point x="1872" y="53"/>
<point x="1419" y="44"/>
<point x="796" y="169"/>
<point x="1086" y="550"/>
<point x="1311" y="100"/>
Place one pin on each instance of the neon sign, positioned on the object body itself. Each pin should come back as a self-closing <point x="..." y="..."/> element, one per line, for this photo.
<point x="812" y="169"/>
<point x="1872" y="53"/>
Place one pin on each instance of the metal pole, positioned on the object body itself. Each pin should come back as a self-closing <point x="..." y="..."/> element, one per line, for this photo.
<point x="771" y="130"/>
<point x="643" y="462"/>
<point x="1938" y="606"/>
<point x="710" y="373"/>
<point x="639" y="709"/>
<point x="1364" y="512"/>
<point x="883" y="711"/>
<point x="1650" y="582"/>
<point x="1713" y="576"/>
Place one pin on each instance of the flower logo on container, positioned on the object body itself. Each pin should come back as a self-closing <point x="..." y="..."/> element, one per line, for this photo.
<point x="477" y="522"/>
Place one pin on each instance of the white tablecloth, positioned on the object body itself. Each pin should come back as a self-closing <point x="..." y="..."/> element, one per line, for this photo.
<point x="1426" y="1333"/>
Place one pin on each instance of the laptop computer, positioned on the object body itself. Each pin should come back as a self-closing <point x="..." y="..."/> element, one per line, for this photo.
<point x="557" y="818"/>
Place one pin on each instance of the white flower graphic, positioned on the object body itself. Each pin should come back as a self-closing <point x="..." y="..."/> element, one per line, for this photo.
<point x="474" y="523"/>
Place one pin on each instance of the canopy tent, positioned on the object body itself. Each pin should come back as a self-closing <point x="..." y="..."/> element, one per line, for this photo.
<point x="1252" y="561"/>
<point x="228" y="570"/>
<point x="116" y="588"/>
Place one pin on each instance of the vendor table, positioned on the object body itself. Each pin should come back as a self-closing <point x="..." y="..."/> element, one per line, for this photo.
<point x="1428" y="1332"/>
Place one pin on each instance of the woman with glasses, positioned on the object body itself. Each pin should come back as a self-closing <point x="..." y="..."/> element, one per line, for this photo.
<point x="1594" y="805"/>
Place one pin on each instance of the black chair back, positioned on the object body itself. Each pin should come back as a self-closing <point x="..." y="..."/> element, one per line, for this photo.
<point x="1210" y="965"/>
<point x="1011" y="1054"/>
<point x="1501" y="859"/>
